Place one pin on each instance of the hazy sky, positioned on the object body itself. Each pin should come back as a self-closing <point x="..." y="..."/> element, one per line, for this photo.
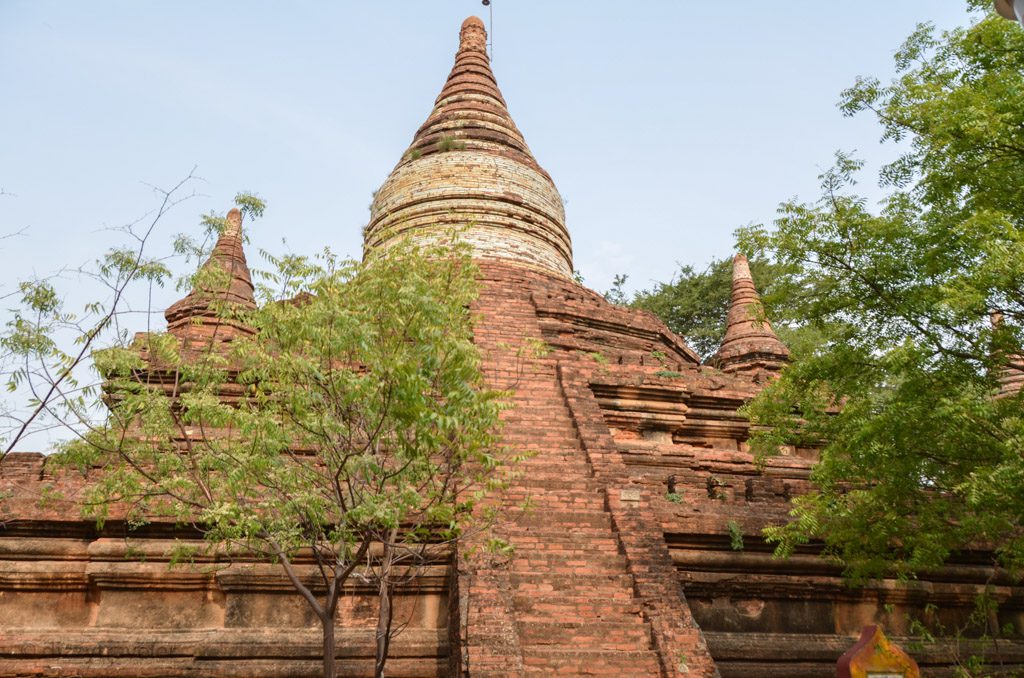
<point x="664" y="124"/>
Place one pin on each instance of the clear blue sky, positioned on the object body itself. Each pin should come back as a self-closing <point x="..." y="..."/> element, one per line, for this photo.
<point x="664" y="124"/>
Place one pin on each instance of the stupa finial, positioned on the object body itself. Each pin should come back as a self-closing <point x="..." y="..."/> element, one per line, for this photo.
<point x="1010" y="365"/>
<point x="234" y="225"/>
<point x="473" y="36"/>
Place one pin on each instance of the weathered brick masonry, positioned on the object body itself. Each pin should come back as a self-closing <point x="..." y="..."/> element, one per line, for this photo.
<point x="634" y="523"/>
<point x="468" y="167"/>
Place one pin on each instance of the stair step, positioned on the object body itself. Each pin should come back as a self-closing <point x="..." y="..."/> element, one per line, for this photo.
<point x="607" y="585"/>
<point x="570" y="519"/>
<point x="566" y="493"/>
<point x="560" y="606"/>
<point x="598" y="635"/>
<point x="542" y="661"/>
<point x="544" y="544"/>
<point x="556" y="482"/>
<point x="534" y="564"/>
<point x="567" y="500"/>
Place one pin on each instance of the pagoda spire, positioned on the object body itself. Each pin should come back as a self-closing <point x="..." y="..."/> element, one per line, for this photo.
<point x="750" y="343"/>
<point x="1010" y="366"/>
<point x="470" y="110"/>
<point x="468" y="169"/>
<point x="223" y="280"/>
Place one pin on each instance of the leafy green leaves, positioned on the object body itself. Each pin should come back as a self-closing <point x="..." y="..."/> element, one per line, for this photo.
<point x="355" y="410"/>
<point x="919" y="459"/>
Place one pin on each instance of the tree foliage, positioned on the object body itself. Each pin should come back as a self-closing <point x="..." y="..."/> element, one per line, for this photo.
<point x="45" y="342"/>
<point x="345" y="432"/>
<point x="919" y="458"/>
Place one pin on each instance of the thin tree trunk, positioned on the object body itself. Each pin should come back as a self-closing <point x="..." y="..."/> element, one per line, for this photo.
<point x="384" y="614"/>
<point x="383" y="628"/>
<point x="329" y="650"/>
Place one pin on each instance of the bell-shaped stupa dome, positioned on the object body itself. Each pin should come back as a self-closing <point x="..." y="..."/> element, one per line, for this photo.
<point x="469" y="169"/>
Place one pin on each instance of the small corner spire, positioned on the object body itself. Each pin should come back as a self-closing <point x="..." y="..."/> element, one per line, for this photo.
<point x="195" y="319"/>
<point x="1010" y="366"/>
<point x="750" y="344"/>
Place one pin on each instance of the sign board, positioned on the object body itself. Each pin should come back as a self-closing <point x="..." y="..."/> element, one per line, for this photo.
<point x="873" y="656"/>
<point x="630" y="494"/>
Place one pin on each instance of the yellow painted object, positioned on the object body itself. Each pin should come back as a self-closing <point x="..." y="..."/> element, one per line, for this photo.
<point x="873" y="656"/>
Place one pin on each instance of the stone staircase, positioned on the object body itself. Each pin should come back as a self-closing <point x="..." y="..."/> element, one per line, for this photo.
<point x="574" y="610"/>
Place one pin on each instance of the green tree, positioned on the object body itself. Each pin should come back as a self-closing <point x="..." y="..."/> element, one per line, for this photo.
<point x="346" y="433"/>
<point x="617" y="293"/>
<point x="919" y="457"/>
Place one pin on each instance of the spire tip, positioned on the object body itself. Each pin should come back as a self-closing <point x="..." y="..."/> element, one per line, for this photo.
<point x="234" y="221"/>
<point x="473" y="35"/>
<point x="741" y="268"/>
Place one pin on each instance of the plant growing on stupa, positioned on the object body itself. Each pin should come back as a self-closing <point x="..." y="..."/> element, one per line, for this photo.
<point x="449" y="143"/>
<point x="340" y="429"/>
<point x="913" y="391"/>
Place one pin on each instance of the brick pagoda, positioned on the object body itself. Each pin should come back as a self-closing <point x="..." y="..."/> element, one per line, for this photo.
<point x="626" y="521"/>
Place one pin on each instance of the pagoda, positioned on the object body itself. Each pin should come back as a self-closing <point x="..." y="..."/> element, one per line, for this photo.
<point x="635" y="521"/>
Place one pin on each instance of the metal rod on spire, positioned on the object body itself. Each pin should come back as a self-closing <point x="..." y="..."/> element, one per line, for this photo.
<point x="490" y="28"/>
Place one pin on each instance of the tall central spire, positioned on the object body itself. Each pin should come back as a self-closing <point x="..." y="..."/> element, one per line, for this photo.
<point x="469" y="168"/>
